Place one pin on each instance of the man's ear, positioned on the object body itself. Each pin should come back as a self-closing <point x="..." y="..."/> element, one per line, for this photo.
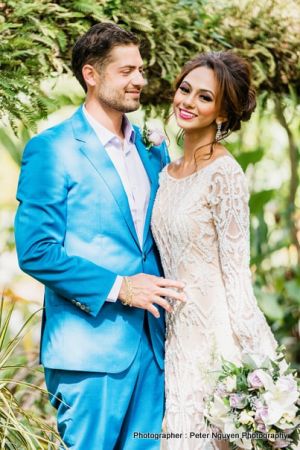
<point x="89" y="75"/>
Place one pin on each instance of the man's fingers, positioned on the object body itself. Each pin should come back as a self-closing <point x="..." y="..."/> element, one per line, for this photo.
<point x="165" y="282"/>
<point x="164" y="292"/>
<point x="163" y="303"/>
<point x="151" y="308"/>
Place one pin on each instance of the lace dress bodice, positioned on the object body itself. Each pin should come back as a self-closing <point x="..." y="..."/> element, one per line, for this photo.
<point x="201" y="227"/>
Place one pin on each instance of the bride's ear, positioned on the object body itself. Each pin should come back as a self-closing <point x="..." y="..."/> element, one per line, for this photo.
<point x="221" y="119"/>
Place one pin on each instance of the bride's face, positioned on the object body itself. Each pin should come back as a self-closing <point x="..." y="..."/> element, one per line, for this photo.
<point x="195" y="102"/>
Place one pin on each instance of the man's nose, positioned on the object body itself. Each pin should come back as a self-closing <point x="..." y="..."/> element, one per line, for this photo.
<point x="138" y="79"/>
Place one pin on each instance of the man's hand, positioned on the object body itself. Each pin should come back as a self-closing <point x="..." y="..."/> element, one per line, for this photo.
<point x="148" y="290"/>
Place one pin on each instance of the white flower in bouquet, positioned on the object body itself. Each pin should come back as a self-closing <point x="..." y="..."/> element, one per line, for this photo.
<point x="280" y="398"/>
<point x="289" y="422"/>
<point x="218" y="412"/>
<point x="244" y="443"/>
<point x="283" y="366"/>
<point x="229" y="427"/>
<point x="230" y="383"/>
<point x="245" y="418"/>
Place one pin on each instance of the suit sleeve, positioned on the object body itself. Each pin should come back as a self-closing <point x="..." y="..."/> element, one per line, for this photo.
<point x="40" y="227"/>
<point x="166" y="157"/>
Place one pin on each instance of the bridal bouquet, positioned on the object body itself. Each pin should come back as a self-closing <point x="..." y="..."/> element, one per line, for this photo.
<point x="256" y="405"/>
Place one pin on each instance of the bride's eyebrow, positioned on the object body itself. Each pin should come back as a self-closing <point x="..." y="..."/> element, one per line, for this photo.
<point x="207" y="90"/>
<point x="199" y="89"/>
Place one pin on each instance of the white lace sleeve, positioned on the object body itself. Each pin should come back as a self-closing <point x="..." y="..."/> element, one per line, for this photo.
<point x="228" y="199"/>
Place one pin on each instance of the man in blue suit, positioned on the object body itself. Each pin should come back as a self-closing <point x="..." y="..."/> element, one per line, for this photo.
<point x="86" y="192"/>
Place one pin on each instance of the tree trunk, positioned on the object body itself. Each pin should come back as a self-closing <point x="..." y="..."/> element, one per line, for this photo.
<point x="294" y="180"/>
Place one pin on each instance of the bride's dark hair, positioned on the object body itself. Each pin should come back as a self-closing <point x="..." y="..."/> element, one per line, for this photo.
<point x="236" y="94"/>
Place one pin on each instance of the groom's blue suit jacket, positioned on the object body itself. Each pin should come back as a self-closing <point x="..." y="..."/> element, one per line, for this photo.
<point x="75" y="234"/>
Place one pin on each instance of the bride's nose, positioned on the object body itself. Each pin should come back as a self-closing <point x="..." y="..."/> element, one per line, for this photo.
<point x="188" y="101"/>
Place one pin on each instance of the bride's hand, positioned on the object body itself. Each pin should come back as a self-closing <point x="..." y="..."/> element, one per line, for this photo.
<point x="147" y="290"/>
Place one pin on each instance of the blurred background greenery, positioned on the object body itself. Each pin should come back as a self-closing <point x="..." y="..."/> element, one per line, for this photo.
<point x="37" y="90"/>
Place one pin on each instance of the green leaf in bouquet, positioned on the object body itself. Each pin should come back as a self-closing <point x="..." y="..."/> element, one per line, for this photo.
<point x="226" y="401"/>
<point x="242" y="384"/>
<point x="229" y="367"/>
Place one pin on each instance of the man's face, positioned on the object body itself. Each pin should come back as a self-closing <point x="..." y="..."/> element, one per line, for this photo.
<point x="119" y="84"/>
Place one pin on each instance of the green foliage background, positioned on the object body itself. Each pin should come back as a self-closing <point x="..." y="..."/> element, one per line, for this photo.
<point x="36" y="42"/>
<point x="37" y="37"/>
<point x="35" y="47"/>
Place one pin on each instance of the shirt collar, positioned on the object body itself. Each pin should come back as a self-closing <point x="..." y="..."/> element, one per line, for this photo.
<point x="105" y="136"/>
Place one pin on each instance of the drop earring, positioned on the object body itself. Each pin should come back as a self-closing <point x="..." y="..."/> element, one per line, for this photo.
<point x="219" y="132"/>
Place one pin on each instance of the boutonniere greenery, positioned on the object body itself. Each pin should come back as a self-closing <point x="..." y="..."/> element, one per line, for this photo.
<point x="152" y="136"/>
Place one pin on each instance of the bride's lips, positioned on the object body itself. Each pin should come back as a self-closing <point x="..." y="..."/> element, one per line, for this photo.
<point x="186" y="115"/>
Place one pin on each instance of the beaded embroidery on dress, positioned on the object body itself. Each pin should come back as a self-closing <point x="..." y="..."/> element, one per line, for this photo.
<point x="201" y="227"/>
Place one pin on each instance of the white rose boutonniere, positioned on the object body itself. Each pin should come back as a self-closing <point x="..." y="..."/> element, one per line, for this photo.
<point x="152" y="136"/>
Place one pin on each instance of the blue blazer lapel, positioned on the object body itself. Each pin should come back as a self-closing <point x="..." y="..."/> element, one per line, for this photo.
<point x="152" y="174"/>
<point x="92" y="148"/>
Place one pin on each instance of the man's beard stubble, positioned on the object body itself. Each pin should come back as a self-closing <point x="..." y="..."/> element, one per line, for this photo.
<point x="114" y="103"/>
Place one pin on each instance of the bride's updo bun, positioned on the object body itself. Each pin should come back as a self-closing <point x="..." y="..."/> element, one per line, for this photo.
<point x="236" y="95"/>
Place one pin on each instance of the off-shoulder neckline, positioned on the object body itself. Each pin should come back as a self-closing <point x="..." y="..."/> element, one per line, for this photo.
<point x="197" y="171"/>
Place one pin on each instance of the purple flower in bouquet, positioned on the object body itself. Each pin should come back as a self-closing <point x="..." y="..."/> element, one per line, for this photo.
<point x="257" y="403"/>
<point x="261" y="414"/>
<point x="221" y="390"/>
<point x="254" y="379"/>
<point x="238" y="401"/>
<point x="261" y="427"/>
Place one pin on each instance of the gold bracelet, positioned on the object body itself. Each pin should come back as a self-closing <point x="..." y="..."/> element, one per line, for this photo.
<point x="129" y="293"/>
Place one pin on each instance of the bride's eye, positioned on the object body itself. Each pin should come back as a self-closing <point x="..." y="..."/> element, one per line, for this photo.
<point x="184" y="88"/>
<point x="206" y="98"/>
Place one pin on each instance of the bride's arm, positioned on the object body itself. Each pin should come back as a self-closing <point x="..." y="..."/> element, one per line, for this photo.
<point x="228" y="199"/>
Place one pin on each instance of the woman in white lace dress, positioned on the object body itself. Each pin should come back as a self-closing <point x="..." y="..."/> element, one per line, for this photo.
<point x="201" y="225"/>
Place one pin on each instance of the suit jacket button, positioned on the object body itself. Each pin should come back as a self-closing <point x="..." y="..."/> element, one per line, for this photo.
<point x="144" y="257"/>
<point x="78" y="304"/>
<point x="83" y="307"/>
